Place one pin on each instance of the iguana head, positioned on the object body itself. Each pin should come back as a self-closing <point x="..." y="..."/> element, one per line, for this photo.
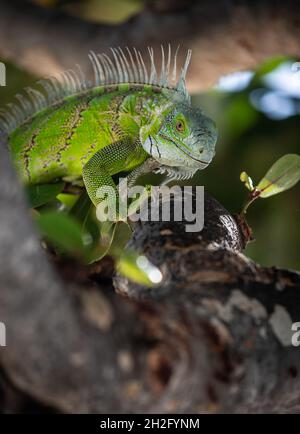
<point x="180" y="136"/>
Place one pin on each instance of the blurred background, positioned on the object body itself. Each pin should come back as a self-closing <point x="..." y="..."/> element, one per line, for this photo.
<point x="257" y="113"/>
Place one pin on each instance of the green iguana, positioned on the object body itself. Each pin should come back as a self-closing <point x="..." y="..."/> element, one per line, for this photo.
<point x="129" y="119"/>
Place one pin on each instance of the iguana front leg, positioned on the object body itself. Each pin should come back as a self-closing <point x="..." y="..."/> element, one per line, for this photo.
<point x="148" y="166"/>
<point x="97" y="172"/>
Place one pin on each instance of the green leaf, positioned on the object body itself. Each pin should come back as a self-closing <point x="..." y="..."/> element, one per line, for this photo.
<point x="67" y="199"/>
<point x="41" y="194"/>
<point x="81" y="209"/>
<point x="284" y="174"/>
<point x="103" y="11"/>
<point x="122" y="235"/>
<point x="92" y="226"/>
<point x="245" y="178"/>
<point x="103" y="247"/>
<point x="138" y="269"/>
<point x="63" y="232"/>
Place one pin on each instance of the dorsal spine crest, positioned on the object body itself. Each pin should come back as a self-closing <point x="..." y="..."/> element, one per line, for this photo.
<point x="123" y="66"/>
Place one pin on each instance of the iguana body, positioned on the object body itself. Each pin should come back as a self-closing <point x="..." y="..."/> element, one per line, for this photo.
<point x="91" y="132"/>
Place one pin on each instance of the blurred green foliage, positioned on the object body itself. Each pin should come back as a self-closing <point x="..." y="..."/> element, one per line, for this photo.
<point x="250" y="139"/>
<point x="101" y="11"/>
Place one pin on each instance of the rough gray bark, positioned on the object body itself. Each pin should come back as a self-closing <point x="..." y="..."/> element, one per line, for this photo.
<point x="215" y="337"/>
<point x="225" y="36"/>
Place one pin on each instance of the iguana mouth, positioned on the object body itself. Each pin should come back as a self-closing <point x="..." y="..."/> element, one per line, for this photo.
<point x="182" y="150"/>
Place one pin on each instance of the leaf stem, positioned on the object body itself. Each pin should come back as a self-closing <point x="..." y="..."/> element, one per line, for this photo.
<point x="254" y="194"/>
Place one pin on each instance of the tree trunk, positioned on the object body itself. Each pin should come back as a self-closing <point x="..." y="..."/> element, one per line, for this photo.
<point x="214" y="337"/>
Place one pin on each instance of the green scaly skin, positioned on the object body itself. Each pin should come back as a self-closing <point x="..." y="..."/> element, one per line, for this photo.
<point x="110" y="129"/>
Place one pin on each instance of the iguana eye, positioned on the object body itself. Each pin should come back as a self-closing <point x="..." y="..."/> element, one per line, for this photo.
<point x="180" y="126"/>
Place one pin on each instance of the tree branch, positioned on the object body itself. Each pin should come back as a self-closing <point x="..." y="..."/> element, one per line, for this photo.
<point x="233" y="316"/>
<point x="225" y="35"/>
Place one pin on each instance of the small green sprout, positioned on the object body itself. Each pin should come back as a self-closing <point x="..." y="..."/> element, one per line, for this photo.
<point x="245" y="178"/>
<point x="284" y="174"/>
